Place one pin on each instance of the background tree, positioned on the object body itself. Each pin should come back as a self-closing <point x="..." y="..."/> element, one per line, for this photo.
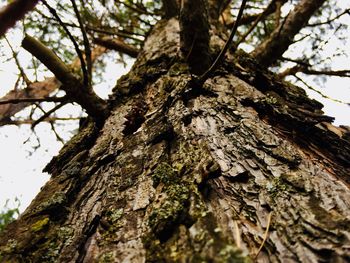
<point x="195" y="156"/>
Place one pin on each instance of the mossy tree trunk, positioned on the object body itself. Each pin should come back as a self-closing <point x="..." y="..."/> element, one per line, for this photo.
<point x="183" y="173"/>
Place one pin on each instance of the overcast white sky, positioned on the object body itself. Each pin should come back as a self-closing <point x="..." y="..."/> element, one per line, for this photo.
<point x="20" y="165"/>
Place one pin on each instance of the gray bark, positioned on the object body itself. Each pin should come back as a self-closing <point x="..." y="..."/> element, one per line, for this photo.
<point x="180" y="173"/>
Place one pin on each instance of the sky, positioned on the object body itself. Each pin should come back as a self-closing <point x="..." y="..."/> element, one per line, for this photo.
<point x="21" y="160"/>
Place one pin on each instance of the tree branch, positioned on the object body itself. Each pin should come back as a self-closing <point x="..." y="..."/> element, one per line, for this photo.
<point x="87" y="78"/>
<point x="347" y="11"/>
<point x="80" y="55"/>
<point x="14" y="55"/>
<point x="216" y="7"/>
<point x="257" y="20"/>
<point x="13" y="12"/>
<point x="49" y="119"/>
<point x="94" y="105"/>
<point x="219" y="58"/>
<point x="41" y="89"/>
<point x="49" y="59"/>
<point x="25" y="100"/>
<point x="247" y="19"/>
<point x="281" y="38"/>
<point x="278" y="13"/>
<point x="47" y="114"/>
<point x="117" y="45"/>
<point x="194" y="35"/>
<point x="318" y="92"/>
<point x="338" y="73"/>
<point x="309" y="71"/>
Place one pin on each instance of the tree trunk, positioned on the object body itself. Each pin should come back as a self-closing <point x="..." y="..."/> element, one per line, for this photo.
<point x="183" y="173"/>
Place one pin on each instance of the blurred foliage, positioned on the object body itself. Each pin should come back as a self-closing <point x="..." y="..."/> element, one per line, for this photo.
<point x="7" y="215"/>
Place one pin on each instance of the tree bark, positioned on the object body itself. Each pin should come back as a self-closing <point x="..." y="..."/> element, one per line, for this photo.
<point x="183" y="173"/>
<point x="194" y="35"/>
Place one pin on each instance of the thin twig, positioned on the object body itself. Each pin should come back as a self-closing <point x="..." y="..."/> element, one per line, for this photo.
<point x="255" y="23"/>
<point x="30" y="100"/>
<point x="87" y="79"/>
<point x="114" y="32"/>
<point x="58" y="137"/>
<point x="227" y="44"/>
<point x="18" y="64"/>
<point x="265" y="235"/>
<point x="297" y="61"/>
<point x="51" y="122"/>
<point x="47" y="114"/>
<point x="30" y="121"/>
<point x="319" y="92"/>
<point x="347" y="11"/>
<point x="76" y="46"/>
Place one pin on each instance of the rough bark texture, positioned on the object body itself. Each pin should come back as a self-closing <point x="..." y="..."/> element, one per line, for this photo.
<point x="282" y="37"/>
<point x="181" y="173"/>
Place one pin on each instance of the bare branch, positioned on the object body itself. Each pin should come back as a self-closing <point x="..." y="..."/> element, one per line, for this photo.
<point x="319" y="92"/>
<point x="290" y="71"/>
<point x="117" y="45"/>
<point x="114" y="32"/>
<point x="76" y="46"/>
<point x="41" y="89"/>
<point x="251" y="18"/>
<point x="47" y="114"/>
<point x="87" y="78"/>
<point x="338" y="73"/>
<point x="26" y="100"/>
<point x="30" y="121"/>
<point x="297" y="61"/>
<point x="347" y="11"/>
<point x="13" y="12"/>
<point x="309" y="71"/>
<point x="227" y="44"/>
<point x="94" y="105"/>
<point x="21" y="71"/>
<point x="281" y="38"/>
<point x="49" y="59"/>
<point x="255" y="23"/>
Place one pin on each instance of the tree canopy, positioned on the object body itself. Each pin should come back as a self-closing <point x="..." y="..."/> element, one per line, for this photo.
<point x="80" y="32"/>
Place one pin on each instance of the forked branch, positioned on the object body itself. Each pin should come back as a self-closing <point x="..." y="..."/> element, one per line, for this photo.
<point x="271" y="49"/>
<point x="73" y="86"/>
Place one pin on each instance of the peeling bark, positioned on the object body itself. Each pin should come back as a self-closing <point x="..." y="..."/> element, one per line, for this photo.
<point x="181" y="173"/>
